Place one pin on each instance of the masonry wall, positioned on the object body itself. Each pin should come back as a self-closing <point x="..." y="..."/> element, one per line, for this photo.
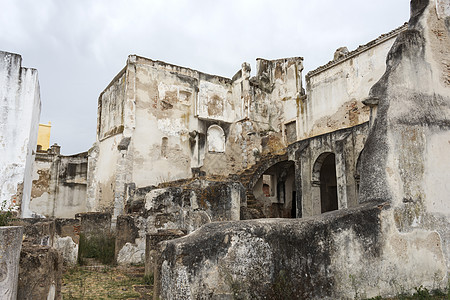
<point x="21" y="105"/>
<point x="335" y="91"/>
<point x="59" y="184"/>
<point x="182" y="206"/>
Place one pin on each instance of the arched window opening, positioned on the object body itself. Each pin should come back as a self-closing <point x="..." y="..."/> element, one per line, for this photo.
<point x="216" y="139"/>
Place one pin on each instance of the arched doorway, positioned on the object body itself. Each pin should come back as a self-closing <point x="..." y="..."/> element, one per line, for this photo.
<point x="328" y="185"/>
<point x="324" y="175"/>
<point x="275" y="192"/>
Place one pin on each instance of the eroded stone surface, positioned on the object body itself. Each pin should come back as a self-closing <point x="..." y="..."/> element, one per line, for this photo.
<point x="10" y="246"/>
<point x="40" y="274"/>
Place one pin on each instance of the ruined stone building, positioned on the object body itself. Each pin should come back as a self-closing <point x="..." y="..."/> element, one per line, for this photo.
<point x="391" y="226"/>
<point x="355" y="160"/>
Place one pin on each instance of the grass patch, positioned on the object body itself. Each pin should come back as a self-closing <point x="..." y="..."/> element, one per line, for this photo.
<point x="99" y="247"/>
<point x="420" y="293"/>
<point x="106" y="283"/>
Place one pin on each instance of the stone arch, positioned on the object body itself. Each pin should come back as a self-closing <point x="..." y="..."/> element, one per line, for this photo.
<point x="216" y="139"/>
<point x="275" y="191"/>
<point x="324" y="176"/>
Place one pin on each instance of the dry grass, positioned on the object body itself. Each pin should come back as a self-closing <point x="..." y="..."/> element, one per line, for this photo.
<point x="105" y="282"/>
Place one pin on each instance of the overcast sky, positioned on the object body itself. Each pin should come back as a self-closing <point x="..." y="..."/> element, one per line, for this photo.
<point x="79" y="46"/>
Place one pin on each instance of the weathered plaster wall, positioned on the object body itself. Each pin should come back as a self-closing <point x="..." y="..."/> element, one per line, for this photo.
<point x="21" y="105"/>
<point x="310" y="258"/>
<point x="59" y="184"/>
<point x="335" y="91"/>
<point x="405" y="157"/>
<point x="165" y="102"/>
<point x="167" y="114"/>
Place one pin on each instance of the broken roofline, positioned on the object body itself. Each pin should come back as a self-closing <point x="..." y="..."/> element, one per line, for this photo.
<point x="362" y="48"/>
<point x="181" y="68"/>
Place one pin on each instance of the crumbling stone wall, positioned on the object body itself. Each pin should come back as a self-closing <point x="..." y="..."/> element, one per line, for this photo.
<point x="21" y="106"/>
<point x="40" y="275"/>
<point x="10" y="247"/>
<point x="185" y="206"/>
<point x="61" y="234"/>
<point x="181" y="105"/>
<point x="59" y="184"/>
<point x="336" y="90"/>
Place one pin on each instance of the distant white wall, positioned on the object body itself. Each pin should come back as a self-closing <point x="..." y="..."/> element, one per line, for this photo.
<point x="20" y="107"/>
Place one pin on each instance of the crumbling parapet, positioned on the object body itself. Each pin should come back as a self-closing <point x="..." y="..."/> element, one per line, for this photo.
<point x="10" y="246"/>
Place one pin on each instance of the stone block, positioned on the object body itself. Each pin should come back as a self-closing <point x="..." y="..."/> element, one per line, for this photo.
<point x="151" y="246"/>
<point x="40" y="275"/>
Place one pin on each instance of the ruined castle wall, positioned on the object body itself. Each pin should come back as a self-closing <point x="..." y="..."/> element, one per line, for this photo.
<point x="334" y="94"/>
<point x="21" y="105"/>
<point x="279" y="85"/>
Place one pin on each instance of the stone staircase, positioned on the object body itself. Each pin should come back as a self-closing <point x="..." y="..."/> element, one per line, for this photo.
<point x="255" y="209"/>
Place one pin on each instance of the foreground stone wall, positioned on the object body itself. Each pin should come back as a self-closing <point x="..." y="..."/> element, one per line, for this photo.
<point x="310" y="258"/>
<point x="61" y="234"/>
<point x="21" y="106"/>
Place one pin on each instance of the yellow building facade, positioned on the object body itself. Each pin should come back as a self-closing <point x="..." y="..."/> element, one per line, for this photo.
<point x="44" y="136"/>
